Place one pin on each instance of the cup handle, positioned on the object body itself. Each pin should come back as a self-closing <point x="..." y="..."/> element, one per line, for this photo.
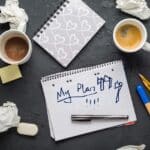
<point x="146" y="46"/>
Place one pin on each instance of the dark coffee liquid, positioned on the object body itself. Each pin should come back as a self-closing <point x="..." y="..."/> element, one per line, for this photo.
<point x="16" y="48"/>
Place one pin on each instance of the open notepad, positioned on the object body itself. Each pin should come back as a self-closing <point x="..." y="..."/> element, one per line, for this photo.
<point x="100" y="89"/>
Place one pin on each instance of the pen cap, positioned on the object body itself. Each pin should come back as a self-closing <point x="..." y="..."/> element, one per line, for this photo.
<point x="142" y="93"/>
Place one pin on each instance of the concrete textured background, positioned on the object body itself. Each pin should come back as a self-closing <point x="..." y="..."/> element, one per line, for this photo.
<point x="28" y="96"/>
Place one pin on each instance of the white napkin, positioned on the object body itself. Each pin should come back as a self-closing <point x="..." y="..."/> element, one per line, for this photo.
<point x="16" y="16"/>
<point x="137" y="8"/>
<point x="8" y="116"/>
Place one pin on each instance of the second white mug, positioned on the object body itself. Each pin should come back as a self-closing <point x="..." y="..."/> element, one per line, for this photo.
<point x="143" y="43"/>
<point x="4" y="37"/>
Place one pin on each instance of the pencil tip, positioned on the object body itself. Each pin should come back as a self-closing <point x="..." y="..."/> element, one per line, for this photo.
<point x="141" y="76"/>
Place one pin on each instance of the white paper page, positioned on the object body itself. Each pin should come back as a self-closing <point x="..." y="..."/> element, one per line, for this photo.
<point x="103" y="90"/>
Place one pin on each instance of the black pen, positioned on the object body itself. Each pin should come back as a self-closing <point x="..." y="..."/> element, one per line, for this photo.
<point x="78" y="117"/>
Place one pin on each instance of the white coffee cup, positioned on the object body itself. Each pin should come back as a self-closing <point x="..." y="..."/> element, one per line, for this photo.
<point x="4" y="37"/>
<point x="143" y="44"/>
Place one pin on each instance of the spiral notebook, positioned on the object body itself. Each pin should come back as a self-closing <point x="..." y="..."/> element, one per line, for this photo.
<point x="68" y="30"/>
<point x="100" y="89"/>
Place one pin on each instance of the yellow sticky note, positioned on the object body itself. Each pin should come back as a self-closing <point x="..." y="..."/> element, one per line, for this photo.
<point x="10" y="73"/>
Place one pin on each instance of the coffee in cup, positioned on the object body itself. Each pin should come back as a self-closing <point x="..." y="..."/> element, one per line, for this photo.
<point x="130" y="35"/>
<point x="15" y="47"/>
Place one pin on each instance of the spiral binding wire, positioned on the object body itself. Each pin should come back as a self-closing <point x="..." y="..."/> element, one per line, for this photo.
<point x="52" y="17"/>
<point x="72" y="72"/>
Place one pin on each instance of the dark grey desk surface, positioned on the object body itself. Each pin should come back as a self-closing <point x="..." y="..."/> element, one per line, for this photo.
<point x="27" y="94"/>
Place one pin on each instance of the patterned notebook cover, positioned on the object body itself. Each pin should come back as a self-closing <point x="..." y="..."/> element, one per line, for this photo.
<point x="70" y="28"/>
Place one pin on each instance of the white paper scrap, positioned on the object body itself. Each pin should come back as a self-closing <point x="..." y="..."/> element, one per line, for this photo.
<point x="13" y="14"/>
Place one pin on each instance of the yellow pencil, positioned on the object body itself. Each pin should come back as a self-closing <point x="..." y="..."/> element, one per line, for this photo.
<point x="145" y="81"/>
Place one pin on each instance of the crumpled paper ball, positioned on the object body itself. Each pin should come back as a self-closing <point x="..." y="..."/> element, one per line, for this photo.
<point x="137" y="8"/>
<point x="16" y="16"/>
<point x="8" y="116"/>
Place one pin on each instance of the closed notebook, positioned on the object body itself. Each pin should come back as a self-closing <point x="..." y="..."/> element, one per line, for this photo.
<point x="65" y="33"/>
<point x="100" y="89"/>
